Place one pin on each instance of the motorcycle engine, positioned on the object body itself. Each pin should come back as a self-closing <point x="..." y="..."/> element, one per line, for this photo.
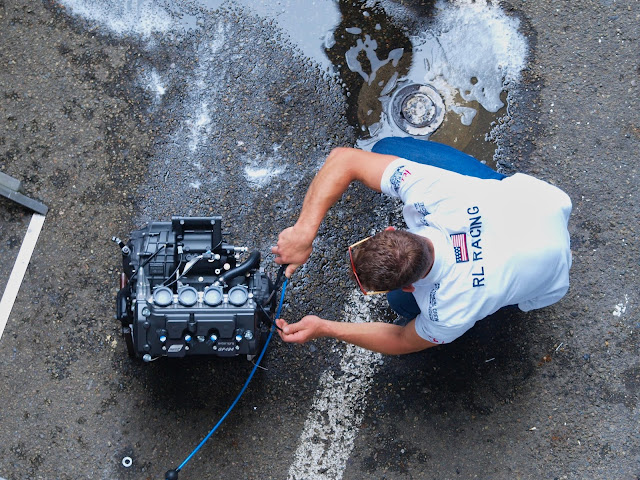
<point x="186" y="292"/>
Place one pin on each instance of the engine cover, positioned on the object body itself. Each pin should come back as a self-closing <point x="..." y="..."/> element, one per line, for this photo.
<point x="185" y="292"/>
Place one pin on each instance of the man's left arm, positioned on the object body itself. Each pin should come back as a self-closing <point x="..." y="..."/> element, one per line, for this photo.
<point x="379" y="337"/>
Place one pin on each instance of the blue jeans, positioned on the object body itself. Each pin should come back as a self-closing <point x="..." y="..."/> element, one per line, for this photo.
<point x="436" y="155"/>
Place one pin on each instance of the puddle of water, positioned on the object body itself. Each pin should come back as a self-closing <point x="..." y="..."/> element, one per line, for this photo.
<point x="308" y="23"/>
<point x="469" y="50"/>
<point x="370" y="53"/>
<point x="137" y="17"/>
<point x="471" y="138"/>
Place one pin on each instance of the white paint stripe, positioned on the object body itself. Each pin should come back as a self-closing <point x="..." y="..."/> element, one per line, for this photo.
<point x="338" y="407"/>
<point x="19" y="269"/>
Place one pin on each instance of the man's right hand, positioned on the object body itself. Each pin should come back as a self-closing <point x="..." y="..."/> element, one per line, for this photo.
<point x="309" y="328"/>
<point x="342" y="166"/>
<point x="293" y="248"/>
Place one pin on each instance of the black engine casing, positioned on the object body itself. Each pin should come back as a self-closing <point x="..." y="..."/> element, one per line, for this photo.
<point x="184" y="292"/>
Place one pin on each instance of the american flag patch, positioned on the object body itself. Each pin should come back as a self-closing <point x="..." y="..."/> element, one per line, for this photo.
<point x="460" y="247"/>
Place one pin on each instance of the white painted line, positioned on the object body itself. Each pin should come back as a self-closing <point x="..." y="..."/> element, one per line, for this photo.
<point x="19" y="269"/>
<point x="338" y="407"/>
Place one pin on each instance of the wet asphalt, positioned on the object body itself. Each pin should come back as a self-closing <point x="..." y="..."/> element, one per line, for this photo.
<point x="549" y="394"/>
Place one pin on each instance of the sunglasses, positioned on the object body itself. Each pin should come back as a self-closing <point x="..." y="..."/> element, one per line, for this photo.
<point x="353" y="268"/>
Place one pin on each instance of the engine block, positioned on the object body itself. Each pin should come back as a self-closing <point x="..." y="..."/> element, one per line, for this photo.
<point x="186" y="292"/>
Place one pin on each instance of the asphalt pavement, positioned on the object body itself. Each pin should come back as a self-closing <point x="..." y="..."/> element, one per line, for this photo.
<point x="199" y="108"/>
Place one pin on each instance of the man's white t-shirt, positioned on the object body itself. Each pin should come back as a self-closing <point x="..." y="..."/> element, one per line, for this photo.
<point x="497" y="243"/>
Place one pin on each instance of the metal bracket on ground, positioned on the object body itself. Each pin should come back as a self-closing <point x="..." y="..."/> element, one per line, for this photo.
<point x="12" y="189"/>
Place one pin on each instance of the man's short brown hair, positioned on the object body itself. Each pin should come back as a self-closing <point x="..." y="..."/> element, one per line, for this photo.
<point x="391" y="259"/>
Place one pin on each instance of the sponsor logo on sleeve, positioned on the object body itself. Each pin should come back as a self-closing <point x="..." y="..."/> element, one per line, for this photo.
<point x="433" y="304"/>
<point x="398" y="177"/>
<point x="422" y="210"/>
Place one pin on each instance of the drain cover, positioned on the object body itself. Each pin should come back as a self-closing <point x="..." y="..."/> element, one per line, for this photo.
<point x="417" y="109"/>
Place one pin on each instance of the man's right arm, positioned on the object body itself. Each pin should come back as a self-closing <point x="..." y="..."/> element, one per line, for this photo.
<point x="342" y="166"/>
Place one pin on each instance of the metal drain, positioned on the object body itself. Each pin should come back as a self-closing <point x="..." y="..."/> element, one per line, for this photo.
<point x="417" y="109"/>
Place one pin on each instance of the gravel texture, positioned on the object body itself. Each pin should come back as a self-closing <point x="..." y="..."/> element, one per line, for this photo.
<point x="550" y="394"/>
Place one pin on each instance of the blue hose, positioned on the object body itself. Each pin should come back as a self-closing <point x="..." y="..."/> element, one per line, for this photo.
<point x="173" y="474"/>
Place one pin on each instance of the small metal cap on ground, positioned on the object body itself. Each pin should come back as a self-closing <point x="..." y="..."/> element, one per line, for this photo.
<point x="417" y="109"/>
